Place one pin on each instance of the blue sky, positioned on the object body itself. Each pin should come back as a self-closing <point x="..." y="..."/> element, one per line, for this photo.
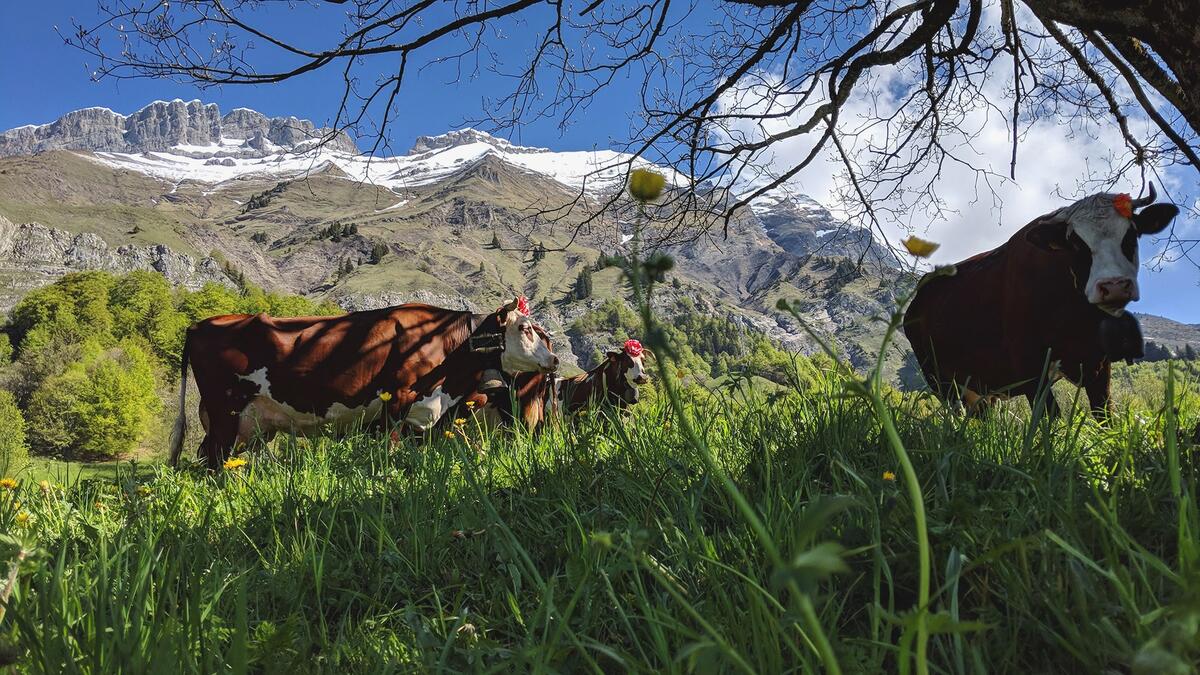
<point x="41" y="78"/>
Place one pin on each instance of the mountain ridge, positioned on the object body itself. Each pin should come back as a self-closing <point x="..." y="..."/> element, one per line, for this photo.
<point x="162" y="125"/>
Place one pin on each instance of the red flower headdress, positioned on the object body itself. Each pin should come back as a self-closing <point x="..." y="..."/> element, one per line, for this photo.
<point x="1123" y="204"/>
<point x="633" y="348"/>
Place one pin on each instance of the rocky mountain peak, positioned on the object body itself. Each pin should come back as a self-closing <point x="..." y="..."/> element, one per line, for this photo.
<point x="167" y="125"/>
<point x="462" y="137"/>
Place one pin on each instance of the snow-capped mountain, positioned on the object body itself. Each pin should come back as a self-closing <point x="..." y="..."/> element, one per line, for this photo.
<point x="180" y="141"/>
<point x="801" y="225"/>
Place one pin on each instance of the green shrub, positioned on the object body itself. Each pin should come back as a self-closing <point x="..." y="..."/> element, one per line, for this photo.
<point x="13" y="451"/>
<point x="99" y="407"/>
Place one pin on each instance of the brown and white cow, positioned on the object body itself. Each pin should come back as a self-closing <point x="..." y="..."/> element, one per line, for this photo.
<point x="532" y="396"/>
<point x="501" y="400"/>
<point x="1054" y="293"/>
<point x="614" y="381"/>
<point x="258" y="375"/>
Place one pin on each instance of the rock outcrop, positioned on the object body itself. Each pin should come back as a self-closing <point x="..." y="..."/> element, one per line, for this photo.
<point x="32" y="255"/>
<point x="164" y="125"/>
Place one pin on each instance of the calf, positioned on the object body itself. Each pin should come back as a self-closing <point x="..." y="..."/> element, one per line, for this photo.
<point x="258" y="375"/>
<point x="1054" y="293"/>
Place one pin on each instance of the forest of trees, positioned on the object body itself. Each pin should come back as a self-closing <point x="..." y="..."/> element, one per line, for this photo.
<point x="84" y="362"/>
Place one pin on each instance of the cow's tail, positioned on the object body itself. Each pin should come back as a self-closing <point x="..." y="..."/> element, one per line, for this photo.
<point x="180" y="429"/>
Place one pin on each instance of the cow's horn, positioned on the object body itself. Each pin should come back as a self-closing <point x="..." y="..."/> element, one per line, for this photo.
<point x="1147" y="200"/>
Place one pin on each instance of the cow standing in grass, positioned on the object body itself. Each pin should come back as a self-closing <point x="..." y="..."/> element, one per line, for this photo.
<point x="1054" y="294"/>
<point x="531" y="396"/>
<point x="259" y="375"/>
<point x="614" y="381"/>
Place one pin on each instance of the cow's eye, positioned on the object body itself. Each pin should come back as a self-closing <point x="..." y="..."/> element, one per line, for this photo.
<point x="1129" y="244"/>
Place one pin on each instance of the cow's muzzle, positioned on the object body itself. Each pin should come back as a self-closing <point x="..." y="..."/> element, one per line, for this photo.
<point x="1113" y="294"/>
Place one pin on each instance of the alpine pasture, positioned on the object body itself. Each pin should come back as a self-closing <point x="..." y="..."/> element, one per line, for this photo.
<point x="727" y="528"/>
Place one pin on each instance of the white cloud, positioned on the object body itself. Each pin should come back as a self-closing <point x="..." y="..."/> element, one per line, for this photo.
<point x="1058" y="160"/>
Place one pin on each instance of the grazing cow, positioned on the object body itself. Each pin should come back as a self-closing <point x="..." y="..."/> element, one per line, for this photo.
<point x="1054" y="293"/>
<point x="258" y="375"/>
<point x="614" y="381"/>
<point x="493" y="398"/>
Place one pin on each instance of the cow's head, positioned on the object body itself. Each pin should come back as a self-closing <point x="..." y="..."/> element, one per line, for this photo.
<point x="526" y="345"/>
<point x="1100" y="232"/>
<point x="629" y="366"/>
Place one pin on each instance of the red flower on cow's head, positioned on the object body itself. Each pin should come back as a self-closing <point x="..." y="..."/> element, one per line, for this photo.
<point x="1123" y="204"/>
<point x="523" y="304"/>
<point x="633" y="348"/>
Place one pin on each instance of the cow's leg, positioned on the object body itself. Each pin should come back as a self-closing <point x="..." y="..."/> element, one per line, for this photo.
<point x="975" y="404"/>
<point x="222" y="433"/>
<point x="1097" y="388"/>
<point x="1051" y="411"/>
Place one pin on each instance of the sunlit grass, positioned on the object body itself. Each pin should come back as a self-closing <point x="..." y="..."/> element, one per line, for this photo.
<point x="609" y="545"/>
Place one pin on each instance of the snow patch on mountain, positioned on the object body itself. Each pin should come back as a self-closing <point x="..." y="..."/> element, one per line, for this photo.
<point x="431" y="159"/>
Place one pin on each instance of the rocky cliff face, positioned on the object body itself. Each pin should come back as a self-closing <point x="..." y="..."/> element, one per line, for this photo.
<point x="32" y="255"/>
<point x="163" y="125"/>
<point x="801" y="226"/>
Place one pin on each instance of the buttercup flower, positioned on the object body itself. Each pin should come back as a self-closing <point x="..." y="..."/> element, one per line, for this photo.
<point x="448" y="434"/>
<point x="235" y="463"/>
<point x="646" y="185"/>
<point x="385" y="396"/>
<point x="470" y="404"/>
<point x="919" y="247"/>
<point x="8" y="484"/>
<point x="459" y="421"/>
<point x="889" y="476"/>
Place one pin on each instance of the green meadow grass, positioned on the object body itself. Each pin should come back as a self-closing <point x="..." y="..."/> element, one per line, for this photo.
<point x="613" y="545"/>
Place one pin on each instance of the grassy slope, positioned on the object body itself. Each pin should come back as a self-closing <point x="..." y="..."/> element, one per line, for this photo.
<point x="610" y="546"/>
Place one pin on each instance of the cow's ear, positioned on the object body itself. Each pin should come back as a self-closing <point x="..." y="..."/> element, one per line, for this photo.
<point x="504" y="312"/>
<point x="1049" y="235"/>
<point x="1154" y="218"/>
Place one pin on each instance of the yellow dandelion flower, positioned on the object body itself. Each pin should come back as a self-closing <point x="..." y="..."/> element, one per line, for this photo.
<point x="23" y="518"/>
<point x="459" y="421"/>
<point x="385" y="396"/>
<point x="646" y="185"/>
<point x="919" y="247"/>
<point x="448" y="434"/>
<point x="8" y="484"/>
<point x="470" y="404"/>
<point x="235" y="463"/>
<point x="889" y="476"/>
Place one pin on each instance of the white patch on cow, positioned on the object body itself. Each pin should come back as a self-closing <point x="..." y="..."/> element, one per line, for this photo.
<point x="1100" y="227"/>
<point x="636" y="371"/>
<point x="265" y="414"/>
<point x="425" y="413"/>
<point x="524" y="350"/>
